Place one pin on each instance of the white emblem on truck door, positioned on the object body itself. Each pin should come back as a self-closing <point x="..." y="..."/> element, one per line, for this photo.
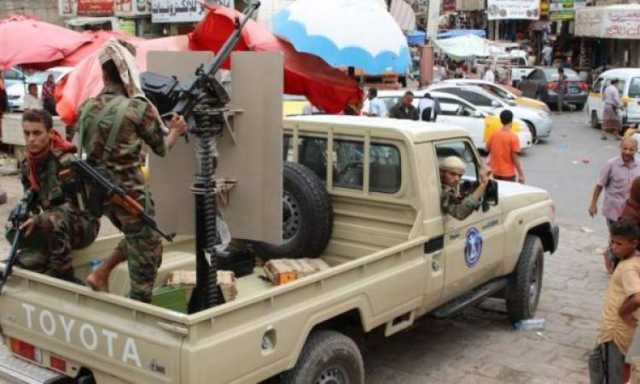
<point x="87" y="334"/>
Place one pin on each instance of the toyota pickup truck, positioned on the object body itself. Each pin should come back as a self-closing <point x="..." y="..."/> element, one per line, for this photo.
<point x="393" y="257"/>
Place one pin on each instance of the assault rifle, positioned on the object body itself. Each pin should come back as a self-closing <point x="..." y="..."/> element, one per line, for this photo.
<point x="19" y="215"/>
<point x="115" y="194"/>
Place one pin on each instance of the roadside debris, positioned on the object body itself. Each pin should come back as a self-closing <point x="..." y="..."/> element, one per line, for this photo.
<point x="528" y="325"/>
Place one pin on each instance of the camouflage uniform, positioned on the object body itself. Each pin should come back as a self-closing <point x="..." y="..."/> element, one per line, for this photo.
<point x="122" y="162"/>
<point x="60" y="224"/>
<point x="454" y="204"/>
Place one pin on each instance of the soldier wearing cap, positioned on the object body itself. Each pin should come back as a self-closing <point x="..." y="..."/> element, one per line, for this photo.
<point x="452" y="202"/>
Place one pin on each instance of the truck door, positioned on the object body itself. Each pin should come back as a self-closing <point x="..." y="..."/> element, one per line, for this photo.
<point x="474" y="246"/>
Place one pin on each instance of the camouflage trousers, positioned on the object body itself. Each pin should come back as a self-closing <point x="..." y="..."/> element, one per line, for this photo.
<point x="141" y="246"/>
<point x="57" y="231"/>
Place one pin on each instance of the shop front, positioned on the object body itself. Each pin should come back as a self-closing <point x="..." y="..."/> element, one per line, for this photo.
<point x="610" y="35"/>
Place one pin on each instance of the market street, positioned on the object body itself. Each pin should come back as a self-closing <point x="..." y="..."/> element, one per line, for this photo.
<point x="479" y="346"/>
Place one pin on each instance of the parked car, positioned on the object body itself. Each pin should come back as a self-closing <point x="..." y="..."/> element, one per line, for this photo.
<point x="14" y="79"/>
<point x="542" y="84"/>
<point x="502" y="91"/>
<point x="459" y="112"/>
<point x="17" y="91"/>
<point x="538" y="122"/>
<point x="629" y="87"/>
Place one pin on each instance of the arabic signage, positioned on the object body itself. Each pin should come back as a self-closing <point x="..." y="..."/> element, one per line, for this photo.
<point x="564" y="9"/>
<point x="131" y="8"/>
<point x="608" y="23"/>
<point x="513" y="9"/>
<point x="181" y="11"/>
<point x="95" y="7"/>
<point x="68" y="8"/>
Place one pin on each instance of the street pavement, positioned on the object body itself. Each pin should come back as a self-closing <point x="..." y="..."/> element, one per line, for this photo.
<point x="479" y="345"/>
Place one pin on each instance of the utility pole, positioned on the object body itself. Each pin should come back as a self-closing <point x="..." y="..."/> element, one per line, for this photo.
<point x="426" y="61"/>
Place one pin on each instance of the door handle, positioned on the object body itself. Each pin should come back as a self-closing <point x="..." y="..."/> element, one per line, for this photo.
<point x="434" y="244"/>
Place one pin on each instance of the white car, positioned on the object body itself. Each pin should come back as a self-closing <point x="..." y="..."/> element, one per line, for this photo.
<point x="629" y="87"/>
<point x="538" y="122"/>
<point x="17" y="91"/>
<point x="458" y="112"/>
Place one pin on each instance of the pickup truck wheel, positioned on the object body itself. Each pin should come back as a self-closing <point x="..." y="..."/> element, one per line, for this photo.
<point x="307" y="216"/>
<point x="525" y="283"/>
<point x="328" y="357"/>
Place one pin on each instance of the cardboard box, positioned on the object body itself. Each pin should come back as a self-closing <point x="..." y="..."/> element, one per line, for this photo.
<point x="187" y="279"/>
<point x="282" y="271"/>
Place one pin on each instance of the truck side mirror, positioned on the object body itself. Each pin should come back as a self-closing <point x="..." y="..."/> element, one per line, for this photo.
<point x="490" y="195"/>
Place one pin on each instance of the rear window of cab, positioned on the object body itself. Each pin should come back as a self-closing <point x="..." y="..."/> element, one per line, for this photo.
<point x="347" y="162"/>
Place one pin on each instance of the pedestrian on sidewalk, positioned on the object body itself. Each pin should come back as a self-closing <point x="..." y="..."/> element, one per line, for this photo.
<point x="504" y="148"/>
<point x="607" y="361"/>
<point x="404" y="109"/>
<point x="612" y="104"/>
<point x="615" y="179"/>
<point x="490" y="75"/>
<point x="48" y="90"/>
<point x="562" y="88"/>
<point x="373" y="105"/>
<point x="31" y="99"/>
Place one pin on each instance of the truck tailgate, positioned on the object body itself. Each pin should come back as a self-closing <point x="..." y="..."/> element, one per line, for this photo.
<point x="73" y="323"/>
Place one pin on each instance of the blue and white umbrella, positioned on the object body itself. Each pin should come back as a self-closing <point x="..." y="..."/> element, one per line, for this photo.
<point x="345" y="33"/>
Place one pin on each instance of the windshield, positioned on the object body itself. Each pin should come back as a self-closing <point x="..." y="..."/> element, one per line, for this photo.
<point x="497" y="91"/>
<point x="634" y="87"/>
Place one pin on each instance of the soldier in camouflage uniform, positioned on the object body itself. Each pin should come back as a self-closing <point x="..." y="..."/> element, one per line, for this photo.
<point x="452" y="202"/>
<point x="113" y="127"/>
<point x="57" y="224"/>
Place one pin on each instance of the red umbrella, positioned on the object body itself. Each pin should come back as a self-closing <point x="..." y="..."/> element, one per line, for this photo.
<point x="326" y="87"/>
<point x="85" y="80"/>
<point x="98" y="38"/>
<point x="28" y="41"/>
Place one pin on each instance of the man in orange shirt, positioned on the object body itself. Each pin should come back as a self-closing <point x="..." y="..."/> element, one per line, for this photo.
<point x="504" y="147"/>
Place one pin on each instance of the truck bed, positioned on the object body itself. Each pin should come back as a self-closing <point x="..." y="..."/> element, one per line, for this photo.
<point x="374" y="269"/>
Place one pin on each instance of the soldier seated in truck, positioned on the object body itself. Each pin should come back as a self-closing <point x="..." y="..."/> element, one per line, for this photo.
<point x="57" y="223"/>
<point x="452" y="201"/>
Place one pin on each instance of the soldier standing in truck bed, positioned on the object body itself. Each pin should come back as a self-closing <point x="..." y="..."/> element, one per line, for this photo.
<point x="57" y="223"/>
<point x="112" y="128"/>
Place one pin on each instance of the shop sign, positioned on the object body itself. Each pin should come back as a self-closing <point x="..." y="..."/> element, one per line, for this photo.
<point x="127" y="26"/>
<point x="132" y="8"/>
<point x="182" y="11"/>
<point x="513" y="9"/>
<point x="564" y="9"/>
<point x="95" y="7"/>
<point x="609" y="23"/>
<point x="68" y="8"/>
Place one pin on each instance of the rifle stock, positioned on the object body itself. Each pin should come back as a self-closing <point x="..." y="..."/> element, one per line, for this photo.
<point x="114" y="193"/>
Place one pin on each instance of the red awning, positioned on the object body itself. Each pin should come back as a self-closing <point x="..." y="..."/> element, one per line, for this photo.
<point x="25" y="41"/>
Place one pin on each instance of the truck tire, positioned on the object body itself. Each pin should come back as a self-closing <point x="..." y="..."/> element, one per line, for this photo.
<point x="525" y="283"/>
<point x="328" y="357"/>
<point x="307" y="216"/>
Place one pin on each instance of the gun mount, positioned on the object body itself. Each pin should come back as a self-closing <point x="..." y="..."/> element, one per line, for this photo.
<point x="202" y="101"/>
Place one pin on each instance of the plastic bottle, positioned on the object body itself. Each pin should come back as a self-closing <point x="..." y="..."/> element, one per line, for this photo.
<point x="530" y="324"/>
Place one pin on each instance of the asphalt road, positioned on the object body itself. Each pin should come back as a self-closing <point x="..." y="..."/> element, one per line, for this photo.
<point x="479" y="345"/>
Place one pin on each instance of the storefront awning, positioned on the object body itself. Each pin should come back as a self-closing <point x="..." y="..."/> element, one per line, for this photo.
<point x="462" y="47"/>
<point x="609" y="22"/>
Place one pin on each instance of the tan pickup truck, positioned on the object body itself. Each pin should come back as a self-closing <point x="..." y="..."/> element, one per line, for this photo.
<point x="393" y="257"/>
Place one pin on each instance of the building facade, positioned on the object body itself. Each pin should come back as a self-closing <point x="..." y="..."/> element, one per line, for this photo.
<point x="45" y="10"/>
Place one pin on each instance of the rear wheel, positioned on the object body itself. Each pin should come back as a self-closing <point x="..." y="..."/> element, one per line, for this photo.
<point x="525" y="283"/>
<point x="594" y="120"/>
<point x="328" y="357"/>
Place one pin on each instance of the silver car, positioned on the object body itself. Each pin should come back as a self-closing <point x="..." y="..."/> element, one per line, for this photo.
<point x="538" y="121"/>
